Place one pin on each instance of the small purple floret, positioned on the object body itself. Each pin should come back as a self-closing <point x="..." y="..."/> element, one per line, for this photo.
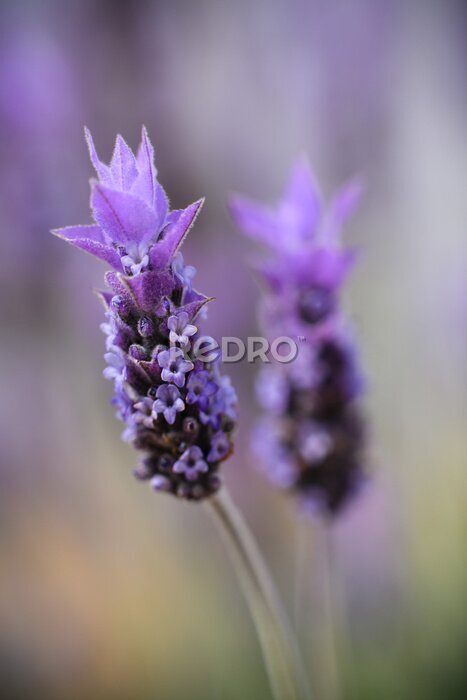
<point x="174" y="366"/>
<point x="180" y="330"/>
<point x="191" y="464"/>
<point x="200" y="388"/>
<point x="168" y="402"/>
<point x="220" y="447"/>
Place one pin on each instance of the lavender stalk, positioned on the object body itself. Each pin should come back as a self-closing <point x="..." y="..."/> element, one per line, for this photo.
<point x="179" y="410"/>
<point x="281" y="654"/>
<point x="310" y="437"/>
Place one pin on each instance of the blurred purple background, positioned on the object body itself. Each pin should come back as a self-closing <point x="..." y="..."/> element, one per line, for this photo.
<point x="106" y="589"/>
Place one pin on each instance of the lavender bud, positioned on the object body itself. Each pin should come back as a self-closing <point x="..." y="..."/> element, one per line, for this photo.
<point x="143" y="472"/>
<point x="191" y="427"/>
<point x="166" y="462"/>
<point x="160" y="483"/>
<point x="163" y="309"/>
<point x="145" y="327"/>
<point x="121" y="305"/>
<point x="137" y="352"/>
<point x="315" y="305"/>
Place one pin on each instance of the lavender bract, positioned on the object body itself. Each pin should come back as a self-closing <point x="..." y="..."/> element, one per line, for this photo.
<point x="163" y="391"/>
<point x="310" y="437"/>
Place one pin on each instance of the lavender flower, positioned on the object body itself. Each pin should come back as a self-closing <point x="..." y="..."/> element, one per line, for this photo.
<point x="174" y="366"/>
<point x="168" y="402"/>
<point x="310" y="438"/>
<point x="151" y="307"/>
<point x="180" y="329"/>
<point x="200" y="388"/>
<point x="191" y="463"/>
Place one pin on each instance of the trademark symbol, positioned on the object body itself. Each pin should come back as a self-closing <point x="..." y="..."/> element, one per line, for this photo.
<point x="302" y="338"/>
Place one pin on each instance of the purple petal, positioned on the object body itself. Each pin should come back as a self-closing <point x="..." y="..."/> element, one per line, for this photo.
<point x="193" y="308"/>
<point x="256" y="220"/>
<point x="150" y="287"/>
<point x="123" y="165"/>
<point x="104" y="296"/>
<point x="118" y="285"/>
<point x="170" y="415"/>
<point x="144" y="185"/>
<point x="185" y="366"/>
<point x="302" y="200"/>
<point x="103" y="252"/>
<point x="172" y="323"/>
<point x="178" y="378"/>
<point x="122" y="216"/>
<point x="342" y="207"/>
<point x="91" y="240"/>
<point x="326" y="267"/>
<point x="102" y="170"/>
<point x="70" y="233"/>
<point x="174" y="234"/>
<point x="161" y="205"/>
<point x="151" y="367"/>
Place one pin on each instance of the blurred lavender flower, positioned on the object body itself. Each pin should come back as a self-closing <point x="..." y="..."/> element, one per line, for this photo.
<point x="162" y="393"/>
<point x="310" y="439"/>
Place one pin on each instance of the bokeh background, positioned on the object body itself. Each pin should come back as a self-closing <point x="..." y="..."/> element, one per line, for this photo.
<point x="108" y="590"/>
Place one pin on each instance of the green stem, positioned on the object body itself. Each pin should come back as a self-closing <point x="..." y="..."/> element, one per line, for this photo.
<point x="331" y="640"/>
<point x="278" y="645"/>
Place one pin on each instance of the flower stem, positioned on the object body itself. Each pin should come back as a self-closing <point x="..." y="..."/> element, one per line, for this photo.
<point x="278" y="645"/>
<point x="331" y="641"/>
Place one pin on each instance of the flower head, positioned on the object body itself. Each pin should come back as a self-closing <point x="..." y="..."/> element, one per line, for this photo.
<point x="151" y="307"/>
<point x="310" y="439"/>
<point x="133" y="229"/>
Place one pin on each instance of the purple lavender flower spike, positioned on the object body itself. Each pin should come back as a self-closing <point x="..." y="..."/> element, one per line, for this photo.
<point x="310" y="439"/>
<point x="150" y="313"/>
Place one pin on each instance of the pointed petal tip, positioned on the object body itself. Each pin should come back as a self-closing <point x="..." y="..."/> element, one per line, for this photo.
<point x="302" y="167"/>
<point x="146" y="140"/>
<point x="197" y="206"/>
<point x="103" y="296"/>
<point x="90" y="142"/>
<point x="81" y="231"/>
<point x="61" y="232"/>
<point x="120" y="143"/>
